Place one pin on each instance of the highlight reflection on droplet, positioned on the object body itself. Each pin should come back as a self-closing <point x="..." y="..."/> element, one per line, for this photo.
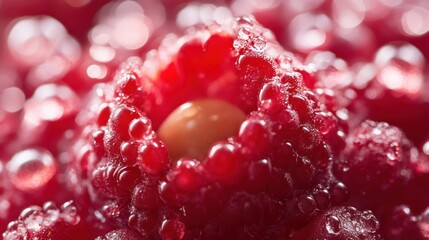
<point x="31" y="169"/>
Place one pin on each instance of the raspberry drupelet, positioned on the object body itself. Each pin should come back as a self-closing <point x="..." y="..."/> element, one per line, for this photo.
<point x="266" y="176"/>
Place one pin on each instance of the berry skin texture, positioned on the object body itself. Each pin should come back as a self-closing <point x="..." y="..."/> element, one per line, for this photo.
<point x="377" y="158"/>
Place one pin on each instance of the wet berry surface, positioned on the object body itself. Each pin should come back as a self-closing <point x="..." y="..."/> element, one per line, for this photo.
<point x="181" y="120"/>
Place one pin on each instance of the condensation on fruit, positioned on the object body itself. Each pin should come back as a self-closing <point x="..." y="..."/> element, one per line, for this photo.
<point x="31" y="169"/>
<point x="333" y="224"/>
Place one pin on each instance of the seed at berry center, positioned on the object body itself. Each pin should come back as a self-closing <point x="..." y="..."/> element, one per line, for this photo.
<point x="192" y="128"/>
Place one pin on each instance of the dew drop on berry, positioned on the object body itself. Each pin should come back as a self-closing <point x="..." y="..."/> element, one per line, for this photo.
<point x="70" y="212"/>
<point x="111" y="210"/>
<point x="322" y="198"/>
<point x="31" y="169"/>
<point x="307" y="205"/>
<point x="339" y="193"/>
<point x="27" y="212"/>
<point x="49" y="206"/>
<point x="172" y="230"/>
<point x="333" y="224"/>
<point x="370" y="223"/>
<point x="258" y="44"/>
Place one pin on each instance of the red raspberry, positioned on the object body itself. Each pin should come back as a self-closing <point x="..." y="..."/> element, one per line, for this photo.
<point x="397" y="85"/>
<point x="273" y="172"/>
<point x="377" y="158"/>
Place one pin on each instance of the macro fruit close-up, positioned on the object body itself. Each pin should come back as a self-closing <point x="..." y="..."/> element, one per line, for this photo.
<point x="215" y="119"/>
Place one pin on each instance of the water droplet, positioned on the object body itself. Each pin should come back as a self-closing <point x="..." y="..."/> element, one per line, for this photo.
<point x="48" y="206"/>
<point x="307" y="205"/>
<point x="28" y="212"/>
<point x="69" y="212"/>
<point x="344" y="167"/>
<point x="333" y="224"/>
<point x="244" y="33"/>
<point x="172" y="229"/>
<point x="370" y="223"/>
<point x="246" y="20"/>
<point x="31" y="169"/>
<point x="392" y="153"/>
<point x="258" y="44"/>
<point x="111" y="210"/>
<point x="13" y="226"/>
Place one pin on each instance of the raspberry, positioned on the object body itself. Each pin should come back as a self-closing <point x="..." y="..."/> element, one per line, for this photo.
<point x="397" y="85"/>
<point x="48" y="222"/>
<point x="219" y="133"/>
<point x="378" y="157"/>
<point x="342" y="223"/>
<point x="274" y="140"/>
